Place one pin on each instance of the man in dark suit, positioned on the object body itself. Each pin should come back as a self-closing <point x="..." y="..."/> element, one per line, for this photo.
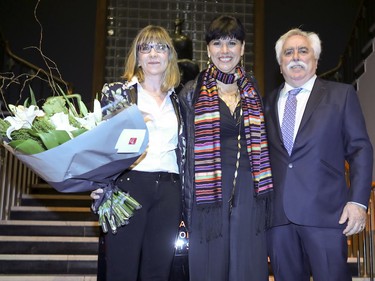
<point x="314" y="210"/>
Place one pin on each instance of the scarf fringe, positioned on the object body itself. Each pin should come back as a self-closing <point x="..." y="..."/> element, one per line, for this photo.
<point x="264" y="211"/>
<point x="210" y="221"/>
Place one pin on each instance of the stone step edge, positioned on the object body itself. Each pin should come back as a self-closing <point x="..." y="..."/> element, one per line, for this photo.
<point x="41" y="184"/>
<point x="50" y="209"/>
<point x="48" y="223"/>
<point x="24" y="257"/>
<point x="56" y="196"/>
<point x="64" y="239"/>
<point x="86" y="278"/>
<point x="47" y="278"/>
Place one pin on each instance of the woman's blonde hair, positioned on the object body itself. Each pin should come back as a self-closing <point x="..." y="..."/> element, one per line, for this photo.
<point x="157" y="34"/>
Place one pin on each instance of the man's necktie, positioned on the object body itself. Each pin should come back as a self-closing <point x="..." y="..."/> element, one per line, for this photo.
<point x="289" y="119"/>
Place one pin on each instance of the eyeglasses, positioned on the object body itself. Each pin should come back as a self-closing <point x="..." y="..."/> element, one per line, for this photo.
<point x="145" y="48"/>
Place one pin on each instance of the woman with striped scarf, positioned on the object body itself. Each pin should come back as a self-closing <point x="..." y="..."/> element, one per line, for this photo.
<point x="227" y="183"/>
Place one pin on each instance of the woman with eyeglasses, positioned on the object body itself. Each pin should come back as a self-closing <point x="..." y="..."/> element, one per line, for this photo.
<point x="143" y="250"/>
<point x="228" y="182"/>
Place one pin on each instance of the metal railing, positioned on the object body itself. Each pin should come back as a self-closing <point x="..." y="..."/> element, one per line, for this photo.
<point x="361" y="246"/>
<point x="15" y="180"/>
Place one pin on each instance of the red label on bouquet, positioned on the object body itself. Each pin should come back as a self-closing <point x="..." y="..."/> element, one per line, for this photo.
<point x="132" y="141"/>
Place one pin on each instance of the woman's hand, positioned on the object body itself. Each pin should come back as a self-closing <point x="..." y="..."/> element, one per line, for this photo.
<point x="96" y="193"/>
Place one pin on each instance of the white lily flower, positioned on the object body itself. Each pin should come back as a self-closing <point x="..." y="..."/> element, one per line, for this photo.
<point x="88" y="122"/>
<point x="23" y="117"/>
<point x="61" y="122"/>
<point x="92" y="119"/>
<point x="97" y="111"/>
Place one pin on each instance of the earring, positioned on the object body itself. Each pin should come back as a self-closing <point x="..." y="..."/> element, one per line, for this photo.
<point x="242" y="62"/>
<point x="209" y="61"/>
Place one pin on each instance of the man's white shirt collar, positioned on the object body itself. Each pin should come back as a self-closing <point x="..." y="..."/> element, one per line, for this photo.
<point x="306" y="87"/>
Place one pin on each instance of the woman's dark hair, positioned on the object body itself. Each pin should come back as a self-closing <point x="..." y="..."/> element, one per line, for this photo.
<point x="225" y="27"/>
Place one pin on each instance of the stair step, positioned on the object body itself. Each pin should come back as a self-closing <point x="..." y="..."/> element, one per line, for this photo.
<point x="48" y="264"/>
<point x="47" y="278"/>
<point x="48" y="245"/>
<point x="61" y="200"/>
<point x="52" y="213"/>
<point x="50" y="236"/>
<point x="50" y="228"/>
<point x="44" y="188"/>
<point x="272" y="279"/>
<point x="90" y="278"/>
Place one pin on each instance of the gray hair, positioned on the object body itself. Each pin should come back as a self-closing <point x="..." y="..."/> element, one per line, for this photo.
<point x="311" y="36"/>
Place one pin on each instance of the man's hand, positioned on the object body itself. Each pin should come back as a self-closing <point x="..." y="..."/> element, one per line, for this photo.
<point x="355" y="215"/>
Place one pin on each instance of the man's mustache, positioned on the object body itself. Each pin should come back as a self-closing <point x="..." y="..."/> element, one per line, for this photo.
<point x="296" y="63"/>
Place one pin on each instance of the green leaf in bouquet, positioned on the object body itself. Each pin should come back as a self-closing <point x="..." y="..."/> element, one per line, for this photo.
<point x="53" y="138"/>
<point x="48" y="140"/>
<point x="26" y="146"/>
<point x="71" y="107"/>
<point x="61" y="136"/>
<point x="32" y="97"/>
<point x="78" y="132"/>
<point x="82" y="108"/>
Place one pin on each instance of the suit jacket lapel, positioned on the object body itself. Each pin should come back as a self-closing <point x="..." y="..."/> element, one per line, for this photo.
<point x="317" y="93"/>
<point x="275" y="112"/>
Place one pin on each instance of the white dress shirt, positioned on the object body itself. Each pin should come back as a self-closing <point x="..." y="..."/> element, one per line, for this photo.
<point x="163" y="133"/>
<point x="302" y="98"/>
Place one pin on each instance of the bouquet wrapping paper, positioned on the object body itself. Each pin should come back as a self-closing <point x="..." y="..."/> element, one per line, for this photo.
<point x="90" y="160"/>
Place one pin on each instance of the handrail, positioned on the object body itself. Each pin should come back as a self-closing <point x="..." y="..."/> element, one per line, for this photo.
<point x="350" y="64"/>
<point x="33" y="67"/>
<point x="334" y="71"/>
<point x="16" y="177"/>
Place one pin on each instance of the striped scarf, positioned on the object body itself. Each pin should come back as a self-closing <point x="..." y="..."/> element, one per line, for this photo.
<point x="207" y="137"/>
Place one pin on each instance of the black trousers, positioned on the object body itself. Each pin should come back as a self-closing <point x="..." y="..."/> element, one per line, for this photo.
<point x="143" y="250"/>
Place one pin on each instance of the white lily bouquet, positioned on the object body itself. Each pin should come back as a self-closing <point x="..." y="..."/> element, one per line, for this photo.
<point x="77" y="151"/>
